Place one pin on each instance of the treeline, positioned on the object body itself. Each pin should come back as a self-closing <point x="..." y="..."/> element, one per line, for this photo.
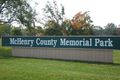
<point x="109" y="29"/>
<point x="54" y="22"/>
<point x="8" y="29"/>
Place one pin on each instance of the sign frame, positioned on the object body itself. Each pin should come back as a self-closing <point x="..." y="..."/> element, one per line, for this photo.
<point x="64" y="37"/>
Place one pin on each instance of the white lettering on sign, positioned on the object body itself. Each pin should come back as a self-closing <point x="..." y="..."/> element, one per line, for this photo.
<point x="46" y="42"/>
<point x="83" y="42"/>
<point x="103" y="43"/>
<point x="63" y="42"/>
<point x="20" y="41"/>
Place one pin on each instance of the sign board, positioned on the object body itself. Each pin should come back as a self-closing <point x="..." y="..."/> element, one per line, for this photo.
<point x="63" y="42"/>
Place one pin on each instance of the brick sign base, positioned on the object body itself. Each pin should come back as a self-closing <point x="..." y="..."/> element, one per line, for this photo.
<point x="65" y="53"/>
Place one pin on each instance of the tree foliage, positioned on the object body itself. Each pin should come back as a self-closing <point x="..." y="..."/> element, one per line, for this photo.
<point x="57" y="24"/>
<point x="97" y="30"/>
<point x="118" y="31"/>
<point x="16" y="31"/>
<point x="33" y="31"/>
<point x="39" y="29"/>
<point x="17" y="10"/>
<point x="53" y="18"/>
<point x="110" y="29"/>
<point x="52" y="13"/>
<point x="81" y="24"/>
<point x="5" y="29"/>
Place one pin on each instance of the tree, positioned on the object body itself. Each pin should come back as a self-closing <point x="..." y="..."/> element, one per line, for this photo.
<point x="110" y="29"/>
<point x="55" y="21"/>
<point x="16" y="31"/>
<point x="51" y="32"/>
<point x="97" y="30"/>
<point x="33" y="31"/>
<point x="67" y="27"/>
<point x="17" y="10"/>
<point x="52" y="13"/>
<point x="5" y="29"/>
<point x="118" y="31"/>
<point x="81" y="24"/>
<point x="2" y="30"/>
<point x="40" y="29"/>
<point x="53" y="18"/>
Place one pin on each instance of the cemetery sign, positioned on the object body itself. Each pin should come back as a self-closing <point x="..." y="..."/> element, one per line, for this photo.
<point x="86" y="42"/>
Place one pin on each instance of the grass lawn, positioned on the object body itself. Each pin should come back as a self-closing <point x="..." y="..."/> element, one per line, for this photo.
<point x="14" y="68"/>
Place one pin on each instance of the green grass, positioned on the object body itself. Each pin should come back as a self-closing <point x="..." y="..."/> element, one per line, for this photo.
<point x="15" y="68"/>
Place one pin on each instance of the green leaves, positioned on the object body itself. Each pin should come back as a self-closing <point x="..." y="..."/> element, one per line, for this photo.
<point x="16" y="31"/>
<point x="18" y="10"/>
<point x="53" y="11"/>
<point x="110" y="29"/>
<point x="5" y="29"/>
<point x="53" y="18"/>
<point x="63" y="12"/>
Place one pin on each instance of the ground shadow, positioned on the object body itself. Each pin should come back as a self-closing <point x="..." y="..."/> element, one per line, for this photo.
<point x="71" y="61"/>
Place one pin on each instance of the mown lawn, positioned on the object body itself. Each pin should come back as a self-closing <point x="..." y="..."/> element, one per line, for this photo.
<point x="15" y="68"/>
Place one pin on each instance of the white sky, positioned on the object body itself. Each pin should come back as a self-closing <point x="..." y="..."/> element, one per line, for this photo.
<point x="101" y="12"/>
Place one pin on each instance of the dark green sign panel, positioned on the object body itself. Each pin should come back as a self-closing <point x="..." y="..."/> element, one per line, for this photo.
<point x="63" y="42"/>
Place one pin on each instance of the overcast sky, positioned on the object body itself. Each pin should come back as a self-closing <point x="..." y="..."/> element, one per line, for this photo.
<point x="102" y="12"/>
